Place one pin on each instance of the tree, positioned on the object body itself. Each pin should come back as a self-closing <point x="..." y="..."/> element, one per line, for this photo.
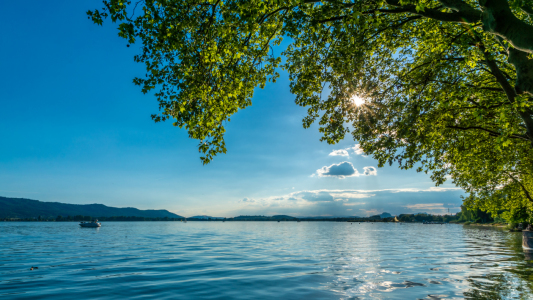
<point x="447" y="84"/>
<point x="407" y="218"/>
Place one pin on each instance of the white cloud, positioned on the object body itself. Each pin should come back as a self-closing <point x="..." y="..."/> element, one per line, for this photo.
<point x="357" y="149"/>
<point x="426" y="206"/>
<point x="323" y="202"/>
<point x="343" y="170"/>
<point x="414" y="190"/>
<point x="316" y="196"/>
<point x="345" y="152"/>
<point x="247" y="200"/>
<point x="340" y="152"/>
<point x="352" y="195"/>
<point x="370" y="212"/>
<point x="433" y="208"/>
<point x="370" y="171"/>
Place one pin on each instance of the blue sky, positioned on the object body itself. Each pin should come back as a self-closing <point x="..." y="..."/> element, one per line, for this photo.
<point x="74" y="129"/>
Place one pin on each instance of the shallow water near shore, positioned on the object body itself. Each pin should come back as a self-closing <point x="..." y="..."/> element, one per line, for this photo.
<point x="261" y="260"/>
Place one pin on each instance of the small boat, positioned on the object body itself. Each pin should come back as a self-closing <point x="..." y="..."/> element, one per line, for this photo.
<point x="93" y="224"/>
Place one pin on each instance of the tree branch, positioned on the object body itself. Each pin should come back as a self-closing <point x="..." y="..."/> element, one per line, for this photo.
<point x="462" y="16"/>
<point x="528" y="10"/>
<point x="524" y="71"/>
<point x="498" y="19"/>
<point x="491" y="132"/>
<point x="509" y="90"/>
<point x="493" y="89"/>
<point x="467" y="16"/>
<point x="521" y="185"/>
<point x="266" y="16"/>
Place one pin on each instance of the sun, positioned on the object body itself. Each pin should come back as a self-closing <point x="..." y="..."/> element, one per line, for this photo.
<point x="358" y="101"/>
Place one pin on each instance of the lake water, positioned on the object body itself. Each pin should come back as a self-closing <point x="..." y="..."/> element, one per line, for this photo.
<point x="261" y="260"/>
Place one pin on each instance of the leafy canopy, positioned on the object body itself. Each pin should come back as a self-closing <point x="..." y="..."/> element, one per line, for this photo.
<point x="448" y="84"/>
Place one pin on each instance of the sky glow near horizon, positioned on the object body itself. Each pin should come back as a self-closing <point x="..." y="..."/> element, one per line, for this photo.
<point x="76" y="130"/>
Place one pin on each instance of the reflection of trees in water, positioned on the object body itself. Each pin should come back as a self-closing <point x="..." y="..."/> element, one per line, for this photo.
<point x="498" y="286"/>
<point x="514" y="282"/>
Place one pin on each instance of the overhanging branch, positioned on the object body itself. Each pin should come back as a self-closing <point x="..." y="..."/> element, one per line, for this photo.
<point x="460" y="16"/>
<point x="491" y="132"/>
<point x="521" y="185"/>
<point x="498" y="19"/>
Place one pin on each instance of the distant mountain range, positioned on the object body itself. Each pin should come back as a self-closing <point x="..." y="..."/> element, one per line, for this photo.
<point x="26" y="208"/>
<point x="263" y="218"/>
<point x="204" y="217"/>
<point x="329" y="217"/>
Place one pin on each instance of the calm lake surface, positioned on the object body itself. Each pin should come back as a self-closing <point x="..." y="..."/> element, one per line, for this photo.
<point x="261" y="260"/>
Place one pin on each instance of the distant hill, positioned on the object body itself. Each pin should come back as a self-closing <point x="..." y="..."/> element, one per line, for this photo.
<point x="205" y="217"/>
<point x="263" y="218"/>
<point x="331" y="217"/>
<point x="283" y="217"/>
<point x="26" y="208"/>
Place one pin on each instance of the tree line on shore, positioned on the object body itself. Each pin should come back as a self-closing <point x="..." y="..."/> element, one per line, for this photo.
<point x="465" y="215"/>
<point x="428" y="218"/>
<point x="403" y="218"/>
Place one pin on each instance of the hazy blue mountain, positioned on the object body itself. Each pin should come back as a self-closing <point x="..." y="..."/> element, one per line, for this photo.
<point x="330" y="217"/>
<point x="26" y="208"/>
<point x="263" y="218"/>
<point x="205" y="217"/>
<point x="282" y="217"/>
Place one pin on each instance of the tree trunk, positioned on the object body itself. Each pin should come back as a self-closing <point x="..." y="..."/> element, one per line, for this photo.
<point x="498" y="19"/>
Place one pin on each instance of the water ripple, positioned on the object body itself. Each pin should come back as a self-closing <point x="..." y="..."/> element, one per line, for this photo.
<point x="261" y="260"/>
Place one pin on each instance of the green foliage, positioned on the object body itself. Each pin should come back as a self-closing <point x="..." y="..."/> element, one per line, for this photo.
<point x="204" y="59"/>
<point x="511" y="226"/>
<point x="505" y="203"/>
<point x="440" y="80"/>
<point x="519" y="215"/>
<point x="407" y="218"/>
<point x="428" y="218"/>
<point x="474" y="215"/>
